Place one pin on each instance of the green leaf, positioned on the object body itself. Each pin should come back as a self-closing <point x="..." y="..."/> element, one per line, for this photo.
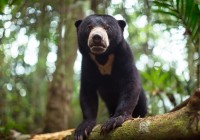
<point x="16" y="2"/>
<point x="2" y="5"/>
<point x="162" y="4"/>
<point x="177" y="4"/>
<point x="171" y="13"/>
<point x="195" y="33"/>
<point x="182" y="7"/>
<point x="188" y="10"/>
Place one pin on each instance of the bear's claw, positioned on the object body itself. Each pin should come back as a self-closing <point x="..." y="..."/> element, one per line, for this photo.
<point x="84" y="130"/>
<point x="112" y="123"/>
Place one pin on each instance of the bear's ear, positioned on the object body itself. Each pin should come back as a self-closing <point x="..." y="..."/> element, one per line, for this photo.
<point x="122" y="24"/>
<point x="77" y="23"/>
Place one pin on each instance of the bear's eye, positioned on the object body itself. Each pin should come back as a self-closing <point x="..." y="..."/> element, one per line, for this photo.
<point x="107" y="27"/>
<point x="89" y="27"/>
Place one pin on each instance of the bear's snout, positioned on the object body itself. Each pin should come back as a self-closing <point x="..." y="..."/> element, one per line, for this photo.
<point x="98" y="40"/>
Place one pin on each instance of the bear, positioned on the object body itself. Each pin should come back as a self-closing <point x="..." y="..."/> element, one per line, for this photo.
<point x="107" y="70"/>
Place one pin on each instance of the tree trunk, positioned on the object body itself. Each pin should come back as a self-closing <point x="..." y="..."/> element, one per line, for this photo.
<point x="198" y="65"/>
<point x="39" y="93"/>
<point x="3" y="98"/>
<point x="59" y="112"/>
<point x="182" y="124"/>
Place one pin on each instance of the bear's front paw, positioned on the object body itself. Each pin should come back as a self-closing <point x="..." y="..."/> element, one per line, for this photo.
<point x="112" y="123"/>
<point x="84" y="129"/>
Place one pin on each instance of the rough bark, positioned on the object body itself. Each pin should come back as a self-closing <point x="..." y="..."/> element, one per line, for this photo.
<point x="39" y="94"/>
<point x="181" y="124"/>
<point x="59" y="112"/>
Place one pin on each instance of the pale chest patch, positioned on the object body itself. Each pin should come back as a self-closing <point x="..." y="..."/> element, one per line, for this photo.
<point x="105" y="69"/>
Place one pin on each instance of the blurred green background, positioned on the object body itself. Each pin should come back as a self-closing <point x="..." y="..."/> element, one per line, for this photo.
<point x="40" y="64"/>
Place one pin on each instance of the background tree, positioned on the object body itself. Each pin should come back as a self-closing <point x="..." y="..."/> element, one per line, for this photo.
<point x="46" y="23"/>
<point x="59" y="112"/>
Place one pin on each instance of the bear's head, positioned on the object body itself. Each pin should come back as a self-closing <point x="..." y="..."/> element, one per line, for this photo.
<point x="99" y="34"/>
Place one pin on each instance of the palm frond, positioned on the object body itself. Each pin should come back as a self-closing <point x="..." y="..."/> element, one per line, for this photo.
<point x="186" y="12"/>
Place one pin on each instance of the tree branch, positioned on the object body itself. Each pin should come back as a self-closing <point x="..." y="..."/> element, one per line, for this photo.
<point x="180" y="124"/>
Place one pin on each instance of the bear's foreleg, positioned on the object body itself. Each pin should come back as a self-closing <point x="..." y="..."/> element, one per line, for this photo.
<point x="89" y="106"/>
<point x="127" y="103"/>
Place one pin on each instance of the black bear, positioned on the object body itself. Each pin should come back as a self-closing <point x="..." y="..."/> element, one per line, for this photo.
<point x="108" y="70"/>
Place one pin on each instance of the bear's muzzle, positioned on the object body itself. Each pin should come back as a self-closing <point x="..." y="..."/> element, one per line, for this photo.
<point x="98" y="41"/>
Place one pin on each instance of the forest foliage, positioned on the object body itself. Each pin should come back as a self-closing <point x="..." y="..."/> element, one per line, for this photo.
<point x="40" y="68"/>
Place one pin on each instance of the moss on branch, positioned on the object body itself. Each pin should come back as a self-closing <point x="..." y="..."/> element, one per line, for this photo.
<point x="180" y="124"/>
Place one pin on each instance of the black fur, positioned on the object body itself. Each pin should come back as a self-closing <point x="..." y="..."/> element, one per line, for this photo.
<point x="121" y="90"/>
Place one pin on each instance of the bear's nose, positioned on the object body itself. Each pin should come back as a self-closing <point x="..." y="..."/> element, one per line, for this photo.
<point x="97" y="39"/>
